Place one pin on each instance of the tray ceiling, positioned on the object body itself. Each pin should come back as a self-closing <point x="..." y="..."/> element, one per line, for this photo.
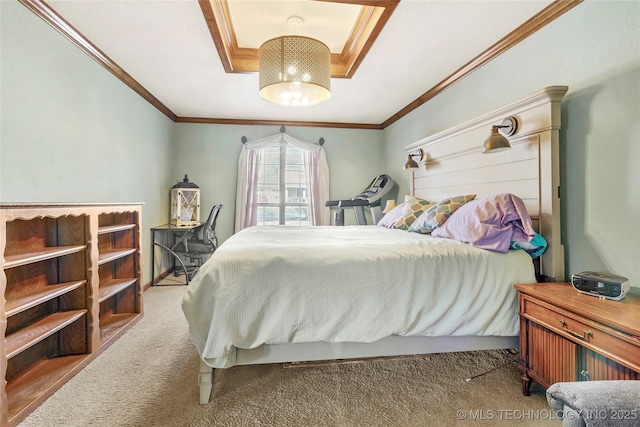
<point x="193" y="59"/>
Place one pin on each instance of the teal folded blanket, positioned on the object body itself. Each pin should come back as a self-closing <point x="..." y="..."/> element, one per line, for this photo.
<point x="534" y="247"/>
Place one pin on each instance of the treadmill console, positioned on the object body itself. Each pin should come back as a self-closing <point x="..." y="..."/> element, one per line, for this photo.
<point x="380" y="186"/>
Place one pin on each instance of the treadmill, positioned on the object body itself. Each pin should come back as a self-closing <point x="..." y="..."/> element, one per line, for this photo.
<point x="371" y="198"/>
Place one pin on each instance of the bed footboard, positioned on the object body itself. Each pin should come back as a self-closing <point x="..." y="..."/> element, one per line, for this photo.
<point x="205" y="380"/>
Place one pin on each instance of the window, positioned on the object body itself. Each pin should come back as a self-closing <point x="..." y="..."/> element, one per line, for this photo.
<point x="282" y="187"/>
<point x="282" y="180"/>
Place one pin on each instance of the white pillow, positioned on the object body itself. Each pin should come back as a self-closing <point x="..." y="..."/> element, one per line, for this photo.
<point x="390" y="218"/>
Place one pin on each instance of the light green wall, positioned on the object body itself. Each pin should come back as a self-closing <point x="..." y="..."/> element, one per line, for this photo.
<point x="70" y="131"/>
<point x="209" y="155"/>
<point x="595" y="50"/>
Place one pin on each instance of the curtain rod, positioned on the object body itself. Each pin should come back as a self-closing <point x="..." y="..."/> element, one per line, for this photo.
<point x="282" y="130"/>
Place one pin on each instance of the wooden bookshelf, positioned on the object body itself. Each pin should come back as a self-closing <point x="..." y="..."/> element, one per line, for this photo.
<point x="71" y="286"/>
<point x="41" y="255"/>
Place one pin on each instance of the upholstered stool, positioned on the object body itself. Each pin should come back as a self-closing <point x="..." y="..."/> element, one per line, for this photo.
<point x="596" y="403"/>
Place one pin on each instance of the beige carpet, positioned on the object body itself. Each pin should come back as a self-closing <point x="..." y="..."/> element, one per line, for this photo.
<point x="149" y="376"/>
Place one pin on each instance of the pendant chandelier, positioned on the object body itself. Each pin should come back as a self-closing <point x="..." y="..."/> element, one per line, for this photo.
<point x="294" y="70"/>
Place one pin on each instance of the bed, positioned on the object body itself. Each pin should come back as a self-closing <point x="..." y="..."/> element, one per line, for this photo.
<point x="286" y="294"/>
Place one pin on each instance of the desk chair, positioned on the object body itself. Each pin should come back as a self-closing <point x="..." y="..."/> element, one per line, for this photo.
<point x="196" y="243"/>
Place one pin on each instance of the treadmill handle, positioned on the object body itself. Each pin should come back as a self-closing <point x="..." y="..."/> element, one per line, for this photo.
<point x="350" y="203"/>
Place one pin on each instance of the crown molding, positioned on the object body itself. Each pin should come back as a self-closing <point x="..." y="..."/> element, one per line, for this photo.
<point x="51" y="17"/>
<point x="538" y="21"/>
<point x="542" y="18"/>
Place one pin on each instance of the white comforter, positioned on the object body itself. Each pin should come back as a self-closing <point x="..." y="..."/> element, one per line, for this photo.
<point x="273" y="285"/>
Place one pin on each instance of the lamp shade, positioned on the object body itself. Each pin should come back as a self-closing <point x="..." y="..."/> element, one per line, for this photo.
<point x="389" y="206"/>
<point x="294" y="71"/>
<point x="410" y="164"/>
<point x="495" y="142"/>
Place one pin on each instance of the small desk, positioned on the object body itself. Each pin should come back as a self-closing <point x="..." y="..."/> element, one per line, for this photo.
<point x="168" y="230"/>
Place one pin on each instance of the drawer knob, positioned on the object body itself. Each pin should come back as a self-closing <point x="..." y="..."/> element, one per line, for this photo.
<point x="585" y="335"/>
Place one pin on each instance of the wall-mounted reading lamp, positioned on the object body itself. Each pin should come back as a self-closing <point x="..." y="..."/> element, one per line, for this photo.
<point x="412" y="164"/>
<point x="497" y="142"/>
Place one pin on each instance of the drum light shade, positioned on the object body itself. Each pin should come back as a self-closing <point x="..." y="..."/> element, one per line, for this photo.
<point x="295" y="71"/>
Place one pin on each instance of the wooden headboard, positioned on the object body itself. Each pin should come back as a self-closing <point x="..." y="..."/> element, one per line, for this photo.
<point x="454" y="165"/>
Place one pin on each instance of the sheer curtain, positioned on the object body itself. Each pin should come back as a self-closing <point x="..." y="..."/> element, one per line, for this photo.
<point x="316" y="170"/>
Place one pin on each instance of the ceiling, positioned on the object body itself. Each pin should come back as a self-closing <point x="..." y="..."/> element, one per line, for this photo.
<point x="193" y="60"/>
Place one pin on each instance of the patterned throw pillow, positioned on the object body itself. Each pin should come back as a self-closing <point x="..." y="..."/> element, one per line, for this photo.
<point x="437" y="214"/>
<point x="413" y="208"/>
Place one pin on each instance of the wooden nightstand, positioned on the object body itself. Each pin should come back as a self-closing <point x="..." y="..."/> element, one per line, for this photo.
<point x="569" y="336"/>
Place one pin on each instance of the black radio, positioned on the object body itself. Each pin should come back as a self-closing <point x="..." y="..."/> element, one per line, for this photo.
<point x="603" y="285"/>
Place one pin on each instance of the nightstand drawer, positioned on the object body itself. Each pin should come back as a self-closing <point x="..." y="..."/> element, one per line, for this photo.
<point x="609" y="342"/>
